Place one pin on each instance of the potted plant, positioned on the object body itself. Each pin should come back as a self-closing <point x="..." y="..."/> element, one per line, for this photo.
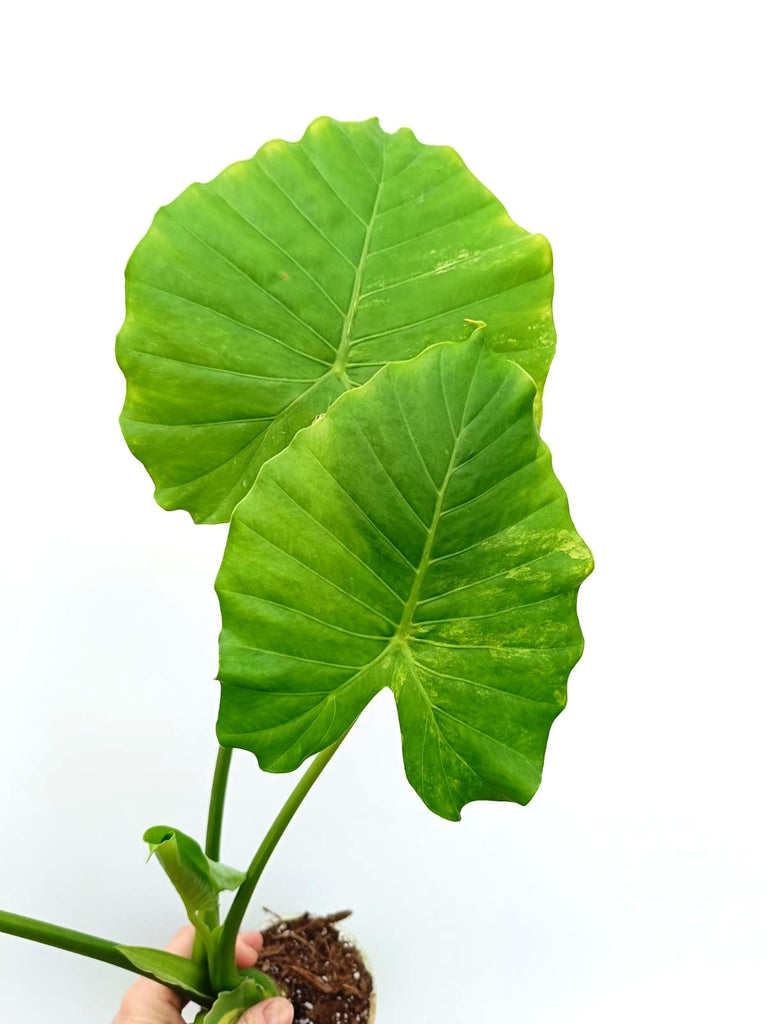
<point x="339" y="348"/>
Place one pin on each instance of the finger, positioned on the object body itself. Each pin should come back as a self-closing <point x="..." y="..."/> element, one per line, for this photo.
<point x="271" y="1011"/>
<point x="245" y="955"/>
<point x="254" y="939"/>
<point x="246" y="949"/>
<point x="150" y="1002"/>
<point x="183" y="942"/>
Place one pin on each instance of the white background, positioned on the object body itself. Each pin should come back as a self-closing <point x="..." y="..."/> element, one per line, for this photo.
<point x="632" y="888"/>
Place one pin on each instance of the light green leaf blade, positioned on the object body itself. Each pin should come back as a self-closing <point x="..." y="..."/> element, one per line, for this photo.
<point x="417" y="538"/>
<point x="258" y="298"/>
<point x="175" y="971"/>
<point x="230" y="1006"/>
<point x="196" y="878"/>
<point x="267" y="984"/>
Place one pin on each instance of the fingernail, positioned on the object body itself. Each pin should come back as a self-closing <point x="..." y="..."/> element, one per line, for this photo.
<point x="278" y="1011"/>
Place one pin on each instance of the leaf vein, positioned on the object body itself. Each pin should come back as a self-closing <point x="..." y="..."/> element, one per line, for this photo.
<point x="280" y="248"/>
<point x="300" y="611"/>
<point x="234" y="320"/>
<point x="440" y="227"/>
<point x="306" y="217"/>
<point x="330" y="186"/>
<point x="391" y="479"/>
<point x="504" y="480"/>
<point x="314" y="572"/>
<point x="441" y="313"/>
<point x="338" y="540"/>
<point x="483" y="686"/>
<point x="406" y="424"/>
<point x="260" y="288"/>
<point x="361" y="510"/>
<point x="418" y="199"/>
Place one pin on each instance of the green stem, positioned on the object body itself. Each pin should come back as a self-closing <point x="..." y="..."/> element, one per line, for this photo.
<point x="225" y="970"/>
<point x="216" y="806"/>
<point x="62" y="938"/>
<point x="93" y="947"/>
<point x="213" y="838"/>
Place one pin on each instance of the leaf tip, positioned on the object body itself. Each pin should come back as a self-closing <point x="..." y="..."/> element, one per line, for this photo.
<point x="479" y="327"/>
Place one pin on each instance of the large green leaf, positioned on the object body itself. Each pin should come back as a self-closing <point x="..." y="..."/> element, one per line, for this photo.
<point x="196" y="878"/>
<point x="415" y="537"/>
<point x="256" y="299"/>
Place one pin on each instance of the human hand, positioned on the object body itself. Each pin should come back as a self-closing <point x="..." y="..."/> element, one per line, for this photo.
<point x="149" y="1002"/>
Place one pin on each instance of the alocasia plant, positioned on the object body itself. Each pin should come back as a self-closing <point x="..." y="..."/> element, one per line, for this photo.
<point x="340" y="347"/>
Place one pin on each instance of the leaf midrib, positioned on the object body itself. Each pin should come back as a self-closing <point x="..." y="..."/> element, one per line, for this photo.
<point x="426" y="556"/>
<point x="340" y="363"/>
<point x="406" y="619"/>
<point x="399" y="638"/>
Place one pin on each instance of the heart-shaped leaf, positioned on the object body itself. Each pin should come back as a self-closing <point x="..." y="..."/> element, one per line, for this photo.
<point x="415" y="537"/>
<point x="256" y="299"/>
<point x="196" y="878"/>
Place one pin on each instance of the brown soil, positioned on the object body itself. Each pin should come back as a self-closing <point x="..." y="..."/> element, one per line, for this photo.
<point x="322" y="973"/>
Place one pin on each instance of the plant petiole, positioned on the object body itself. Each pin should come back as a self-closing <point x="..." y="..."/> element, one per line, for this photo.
<point x="200" y="953"/>
<point x="182" y="975"/>
<point x="216" y="806"/>
<point x="224" y="972"/>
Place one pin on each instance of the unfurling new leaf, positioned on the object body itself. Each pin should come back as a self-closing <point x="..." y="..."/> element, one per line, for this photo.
<point x="196" y="878"/>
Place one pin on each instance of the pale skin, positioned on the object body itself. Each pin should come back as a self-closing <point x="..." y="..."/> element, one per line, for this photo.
<point x="147" y="1002"/>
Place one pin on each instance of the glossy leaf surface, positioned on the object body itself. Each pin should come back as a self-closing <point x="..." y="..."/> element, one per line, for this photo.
<point x="196" y="878"/>
<point x="258" y="298"/>
<point x="415" y="537"/>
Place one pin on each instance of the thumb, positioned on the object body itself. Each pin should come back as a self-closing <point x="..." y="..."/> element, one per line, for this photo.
<point x="271" y="1011"/>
